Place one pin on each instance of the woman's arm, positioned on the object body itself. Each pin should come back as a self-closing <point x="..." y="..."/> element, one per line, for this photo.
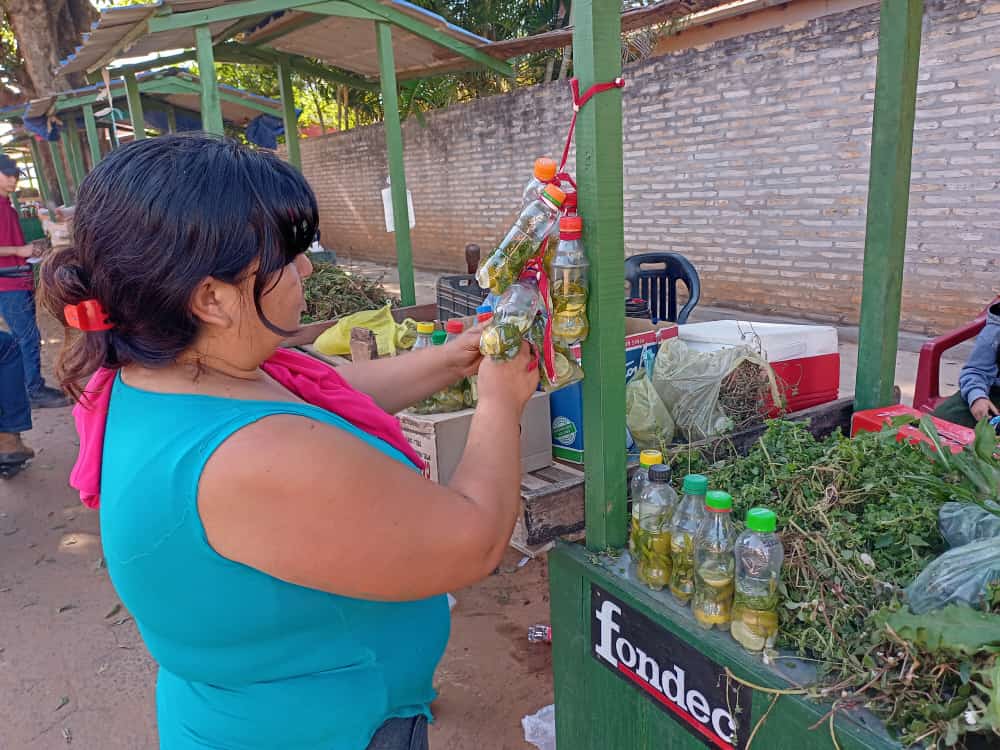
<point x="320" y="508"/>
<point x="397" y="383"/>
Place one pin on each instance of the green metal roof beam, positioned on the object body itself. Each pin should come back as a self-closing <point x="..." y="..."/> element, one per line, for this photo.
<point x="168" y="21"/>
<point x="404" y="21"/>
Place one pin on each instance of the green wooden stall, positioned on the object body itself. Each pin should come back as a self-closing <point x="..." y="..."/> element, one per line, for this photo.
<point x="632" y="669"/>
<point x="366" y="44"/>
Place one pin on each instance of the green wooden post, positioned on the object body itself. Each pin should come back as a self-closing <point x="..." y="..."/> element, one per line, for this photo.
<point x="57" y="162"/>
<point x="74" y="151"/>
<point x="92" y="139"/>
<point x="290" y="117"/>
<point x="397" y="174"/>
<point x="597" y="58"/>
<point x="135" y="106"/>
<point x="888" y="200"/>
<point x="171" y="119"/>
<point x="43" y="183"/>
<point x="211" y="109"/>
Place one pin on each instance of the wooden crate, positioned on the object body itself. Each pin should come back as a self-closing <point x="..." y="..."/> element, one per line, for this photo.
<point x="551" y="508"/>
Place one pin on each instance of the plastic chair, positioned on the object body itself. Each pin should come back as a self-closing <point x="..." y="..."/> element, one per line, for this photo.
<point x="658" y="284"/>
<point x="927" y="389"/>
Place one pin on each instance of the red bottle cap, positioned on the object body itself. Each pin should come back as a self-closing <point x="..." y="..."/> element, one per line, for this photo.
<point x="570" y="228"/>
<point x="454" y="326"/>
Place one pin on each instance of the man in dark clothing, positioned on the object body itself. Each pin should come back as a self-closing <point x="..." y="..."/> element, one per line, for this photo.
<point x="15" y="410"/>
<point x="17" y="294"/>
<point x="979" y="382"/>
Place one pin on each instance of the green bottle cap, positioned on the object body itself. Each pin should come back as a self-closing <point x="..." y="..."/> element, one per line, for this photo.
<point x="695" y="484"/>
<point x="718" y="502"/>
<point x="439" y="337"/>
<point x="762" y="520"/>
<point x="650" y="458"/>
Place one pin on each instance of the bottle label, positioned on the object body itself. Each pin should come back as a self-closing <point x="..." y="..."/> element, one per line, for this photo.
<point x="684" y="683"/>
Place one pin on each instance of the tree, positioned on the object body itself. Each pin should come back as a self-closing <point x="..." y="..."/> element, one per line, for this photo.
<point x="34" y="36"/>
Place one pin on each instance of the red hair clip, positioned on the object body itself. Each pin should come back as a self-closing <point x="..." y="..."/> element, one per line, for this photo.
<point x="88" y="315"/>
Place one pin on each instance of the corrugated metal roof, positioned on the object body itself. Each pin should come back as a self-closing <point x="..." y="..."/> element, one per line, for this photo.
<point x="121" y="31"/>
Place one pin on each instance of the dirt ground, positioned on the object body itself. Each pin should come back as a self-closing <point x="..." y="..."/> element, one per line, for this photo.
<point x="73" y="669"/>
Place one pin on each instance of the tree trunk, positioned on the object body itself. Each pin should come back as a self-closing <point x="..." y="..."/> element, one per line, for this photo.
<point x="319" y="109"/>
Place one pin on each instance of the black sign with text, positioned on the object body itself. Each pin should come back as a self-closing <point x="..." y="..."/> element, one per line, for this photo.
<point x="691" y="688"/>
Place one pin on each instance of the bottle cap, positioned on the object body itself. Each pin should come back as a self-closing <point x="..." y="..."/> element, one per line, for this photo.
<point x="762" y="520"/>
<point x="570" y="228"/>
<point x="484" y="313"/>
<point x="695" y="484"/>
<point x="545" y="169"/>
<point x="650" y="458"/>
<point x="438" y="337"/>
<point x="425" y="328"/>
<point x="554" y="194"/>
<point x="484" y="308"/>
<point x="660" y="473"/>
<point x="718" y="502"/>
<point x="454" y="326"/>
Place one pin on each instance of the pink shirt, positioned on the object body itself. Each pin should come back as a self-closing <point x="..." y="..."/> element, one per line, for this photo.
<point x="313" y="381"/>
<point x="11" y="236"/>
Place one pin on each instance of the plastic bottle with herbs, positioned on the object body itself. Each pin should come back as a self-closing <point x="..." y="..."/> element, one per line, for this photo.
<point x="522" y="242"/>
<point x="758" y="555"/>
<point x="683" y="529"/>
<point x="647" y="459"/>
<point x="568" y="284"/>
<point x="512" y="320"/>
<point x="651" y="515"/>
<point x="544" y="170"/>
<point x="640" y="478"/>
<point x="714" y="564"/>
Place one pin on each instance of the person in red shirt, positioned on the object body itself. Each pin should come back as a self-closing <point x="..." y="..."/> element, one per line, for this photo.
<point x="17" y="293"/>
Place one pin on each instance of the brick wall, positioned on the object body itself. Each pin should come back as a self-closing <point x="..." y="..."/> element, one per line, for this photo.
<point x="748" y="155"/>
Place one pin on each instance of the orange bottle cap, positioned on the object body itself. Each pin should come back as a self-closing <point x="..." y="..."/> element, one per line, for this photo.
<point x="554" y="194"/>
<point x="545" y="168"/>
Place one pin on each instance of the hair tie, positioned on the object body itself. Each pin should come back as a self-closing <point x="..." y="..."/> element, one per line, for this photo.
<point x="88" y="315"/>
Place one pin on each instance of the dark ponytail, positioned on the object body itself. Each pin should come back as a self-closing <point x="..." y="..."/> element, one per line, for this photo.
<point x="155" y="218"/>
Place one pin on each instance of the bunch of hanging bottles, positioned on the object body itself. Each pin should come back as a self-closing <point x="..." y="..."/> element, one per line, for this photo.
<point x="538" y="277"/>
<point x="690" y="547"/>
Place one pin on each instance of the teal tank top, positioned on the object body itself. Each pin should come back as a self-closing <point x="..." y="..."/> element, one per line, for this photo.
<point x="246" y="661"/>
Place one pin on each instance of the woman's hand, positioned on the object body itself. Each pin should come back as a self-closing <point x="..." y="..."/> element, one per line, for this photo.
<point x="463" y="353"/>
<point x="512" y="382"/>
<point x="983" y="408"/>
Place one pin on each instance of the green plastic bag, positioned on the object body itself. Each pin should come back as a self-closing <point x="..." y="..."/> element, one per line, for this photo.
<point x="646" y="416"/>
<point x="390" y="336"/>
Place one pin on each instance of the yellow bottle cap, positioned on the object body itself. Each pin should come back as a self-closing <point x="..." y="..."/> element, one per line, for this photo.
<point x="425" y="328"/>
<point x="650" y="458"/>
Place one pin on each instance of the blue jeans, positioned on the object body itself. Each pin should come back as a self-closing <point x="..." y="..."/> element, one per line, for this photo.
<point x="18" y="309"/>
<point x="15" y="409"/>
<point x="401" y="734"/>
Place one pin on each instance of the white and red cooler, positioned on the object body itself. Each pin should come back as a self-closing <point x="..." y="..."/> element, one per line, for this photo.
<point x="805" y="359"/>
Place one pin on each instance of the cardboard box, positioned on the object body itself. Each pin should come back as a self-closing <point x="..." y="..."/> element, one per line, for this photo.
<point x="439" y="439"/>
<point x="567" y="403"/>
<point x="954" y="436"/>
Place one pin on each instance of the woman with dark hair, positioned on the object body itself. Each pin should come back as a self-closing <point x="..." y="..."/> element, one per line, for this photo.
<point x="286" y="563"/>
